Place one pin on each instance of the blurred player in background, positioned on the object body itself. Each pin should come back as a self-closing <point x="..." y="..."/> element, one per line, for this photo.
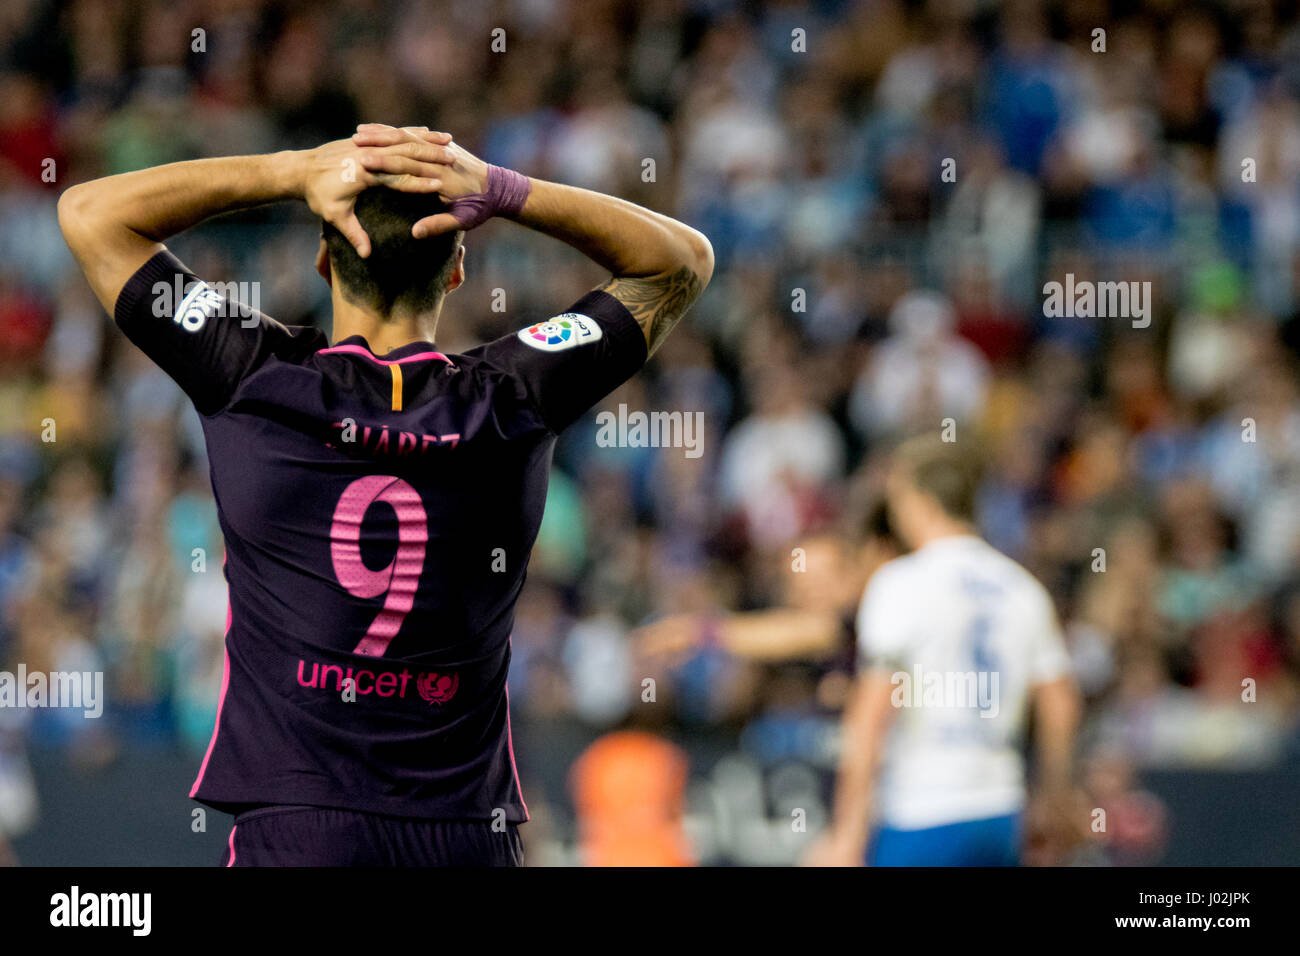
<point x="957" y="644"/>
<point x="946" y="781"/>
<point x="379" y="499"/>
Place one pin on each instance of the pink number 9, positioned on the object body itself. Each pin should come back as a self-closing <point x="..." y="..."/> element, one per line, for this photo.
<point x="401" y="576"/>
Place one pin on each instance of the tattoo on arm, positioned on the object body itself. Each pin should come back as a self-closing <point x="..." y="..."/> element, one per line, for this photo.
<point x="657" y="304"/>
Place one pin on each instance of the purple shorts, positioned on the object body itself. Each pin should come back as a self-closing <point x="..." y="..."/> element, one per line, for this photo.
<point x="321" y="836"/>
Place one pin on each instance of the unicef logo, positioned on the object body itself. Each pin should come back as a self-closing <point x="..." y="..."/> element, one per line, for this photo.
<point x="437" y="688"/>
<point x="554" y="332"/>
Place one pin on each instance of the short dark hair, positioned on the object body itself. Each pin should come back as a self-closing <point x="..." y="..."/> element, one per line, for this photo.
<point x="948" y="473"/>
<point x="401" y="272"/>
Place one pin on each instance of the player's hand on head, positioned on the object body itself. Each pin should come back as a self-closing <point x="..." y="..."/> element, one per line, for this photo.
<point x="461" y="176"/>
<point x="421" y="158"/>
<point x="337" y="172"/>
<point x="381" y="134"/>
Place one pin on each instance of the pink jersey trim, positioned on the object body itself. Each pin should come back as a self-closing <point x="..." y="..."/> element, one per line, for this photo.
<point x="366" y="353"/>
<point x="510" y="745"/>
<point x="232" y="845"/>
<point x="221" y="703"/>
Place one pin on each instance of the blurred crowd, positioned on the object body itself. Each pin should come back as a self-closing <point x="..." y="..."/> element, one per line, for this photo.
<point x="887" y="185"/>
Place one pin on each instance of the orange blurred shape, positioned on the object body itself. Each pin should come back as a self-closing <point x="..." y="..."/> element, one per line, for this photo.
<point x="629" y="789"/>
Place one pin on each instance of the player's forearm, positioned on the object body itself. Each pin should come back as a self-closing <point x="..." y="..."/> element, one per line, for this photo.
<point x="628" y="240"/>
<point x="780" y="634"/>
<point x="866" y="721"/>
<point x="855" y="784"/>
<point x="659" y="265"/>
<point x="1057" y="718"/>
<point x="158" y="203"/>
<point x="114" y="225"/>
<point x="851" y="819"/>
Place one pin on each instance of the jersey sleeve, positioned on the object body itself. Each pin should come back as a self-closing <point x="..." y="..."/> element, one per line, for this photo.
<point x="207" y="341"/>
<point x="572" y="360"/>
<point x="883" y="635"/>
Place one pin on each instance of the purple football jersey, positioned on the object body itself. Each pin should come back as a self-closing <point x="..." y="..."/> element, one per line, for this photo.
<point x="378" y="514"/>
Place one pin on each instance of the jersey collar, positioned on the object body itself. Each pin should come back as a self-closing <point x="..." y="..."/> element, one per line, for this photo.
<point x="412" y="351"/>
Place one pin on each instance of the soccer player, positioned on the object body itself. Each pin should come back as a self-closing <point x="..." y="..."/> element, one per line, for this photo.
<point x="957" y="644"/>
<point x="378" y="498"/>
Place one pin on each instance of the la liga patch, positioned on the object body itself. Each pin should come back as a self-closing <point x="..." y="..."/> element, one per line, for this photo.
<point x="564" y="331"/>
